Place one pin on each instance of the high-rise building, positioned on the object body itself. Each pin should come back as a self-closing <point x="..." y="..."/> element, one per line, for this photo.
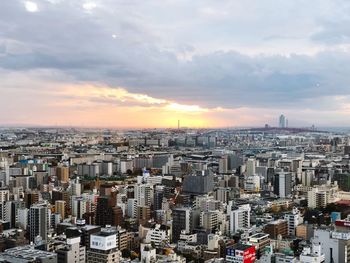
<point x="240" y="218"/>
<point x="132" y="208"/>
<point x="62" y="173"/>
<point x="76" y="187"/>
<point x="61" y="195"/>
<point x="23" y="214"/>
<point x="201" y="183"/>
<point x="210" y="220"/>
<point x="117" y="216"/>
<point x="143" y="214"/>
<point x="334" y="245"/>
<point x="293" y="220"/>
<point x="251" y="165"/>
<point x="343" y="181"/>
<point x="143" y="194"/>
<point x="283" y="184"/>
<point x="282" y="121"/>
<point x="80" y="206"/>
<point x="60" y="207"/>
<point x="39" y="221"/>
<point x="104" y="212"/>
<point x="11" y="211"/>
<point x="317" y="198"/>
<point x="223" y="164"/>
<point x="181" y="221"/>
<point x="31" y="198"/>
<point x="158" y="197"/>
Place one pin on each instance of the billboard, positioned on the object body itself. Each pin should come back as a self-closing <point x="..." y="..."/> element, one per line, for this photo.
<point x="103" y="242"/>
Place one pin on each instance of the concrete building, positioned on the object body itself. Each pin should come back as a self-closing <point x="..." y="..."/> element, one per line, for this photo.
<point x="240" y="218"/>
<point x="334" y="245"/>
<point x="72" y="252"/>
<point x="260" y="241"/>
<point x="200" y="183"/>
<point x="312" y="254"/>
<point x="148" y="254"/>
<point x="276" y="228"/>
<point x="62" y="173"/>
<point x="283" y="184"/>
<point x="103" y="247"/>
<point x="240" y="253"/>
<point x="60" y="207"/>
<point x="251" y="165"/>
<point x="182" y="220"/>
<point x="39" y="221"/>
<point x="159" y="236"/>
<point x="293" y="220"/>
<point x="282" y="121"/>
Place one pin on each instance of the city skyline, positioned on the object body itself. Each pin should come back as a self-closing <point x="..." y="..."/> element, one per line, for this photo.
<point x="131" y="64"/>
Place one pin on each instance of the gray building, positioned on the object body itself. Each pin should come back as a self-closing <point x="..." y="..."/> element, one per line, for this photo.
<point x="200" y="183"/>
<point x="335" y="245"/>
<point x="27" y="254"/>
<point x="39" y="221"/>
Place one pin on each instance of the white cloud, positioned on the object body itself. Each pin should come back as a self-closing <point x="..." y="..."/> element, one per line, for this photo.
<point x="89" y="6"/>
<point x="31" y="6"/>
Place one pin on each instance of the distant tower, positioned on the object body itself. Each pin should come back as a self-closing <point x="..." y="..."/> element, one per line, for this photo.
<point x="178" y="124"/>
<point x="286" y="123"/>
<point x="282" y="121"/>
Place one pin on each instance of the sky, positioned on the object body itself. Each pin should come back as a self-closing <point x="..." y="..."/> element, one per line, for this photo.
<point x="145" y="64"/>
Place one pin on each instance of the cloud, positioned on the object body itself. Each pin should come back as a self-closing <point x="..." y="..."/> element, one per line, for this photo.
<point x="31" y="6"/>
<point x="196" y="56"/>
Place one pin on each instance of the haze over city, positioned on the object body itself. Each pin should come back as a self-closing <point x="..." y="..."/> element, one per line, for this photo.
<point x="149" y="63"/>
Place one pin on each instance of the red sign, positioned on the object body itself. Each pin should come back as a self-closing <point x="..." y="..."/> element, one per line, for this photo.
<point x="342" y="223"/>
<point x="249" y="255"/>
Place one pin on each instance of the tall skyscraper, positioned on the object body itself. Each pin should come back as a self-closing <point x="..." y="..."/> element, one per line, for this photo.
<point x="282" y="121"/>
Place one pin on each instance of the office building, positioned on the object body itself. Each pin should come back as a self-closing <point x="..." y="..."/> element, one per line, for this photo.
<point x="39" y="221"/>
<point x="182" y="220"/>
<point x="103" y="247"/>
<point x="283" y="184"/>
<point x="282" y="121"/>
<point x="240" y="218"/>
<point x="277" y="228"/>
<point x="72" y="252"/>
<point x="200" y="183"/>
<point x="240" y="253"/>
<point x="60" y="208"/>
